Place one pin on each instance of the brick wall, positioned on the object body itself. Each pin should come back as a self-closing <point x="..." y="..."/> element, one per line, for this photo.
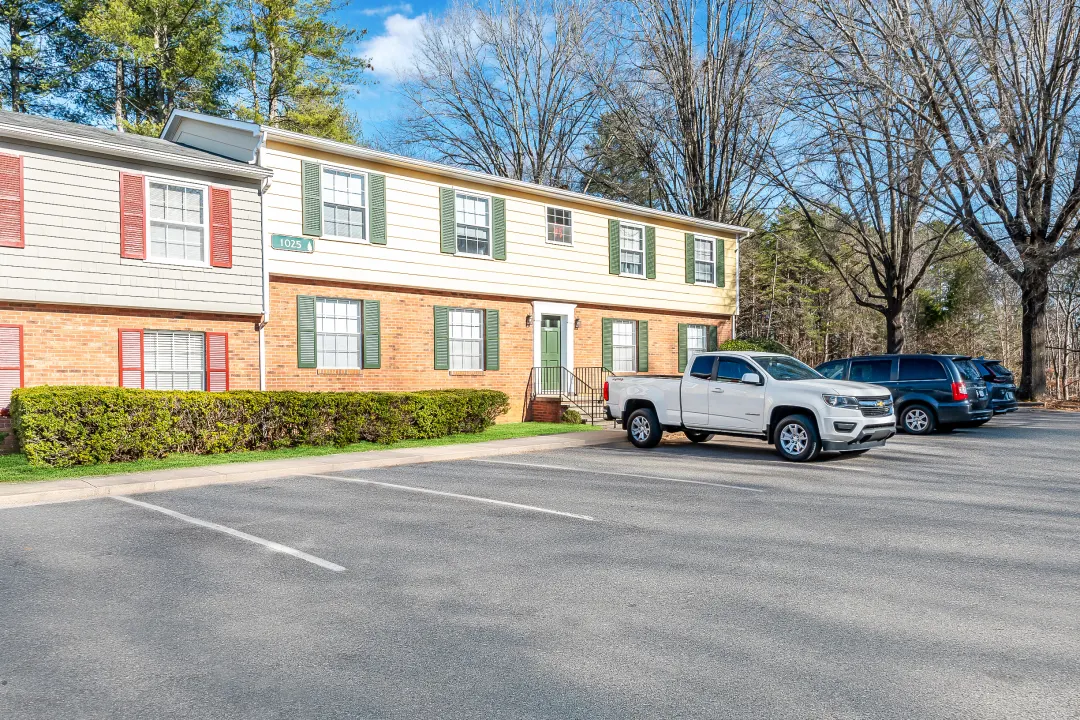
<point x="407" y="329"/>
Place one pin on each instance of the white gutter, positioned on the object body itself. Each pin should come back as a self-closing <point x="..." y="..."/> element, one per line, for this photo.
<point x="129" y="152"/>
<point x="354" y="151"/>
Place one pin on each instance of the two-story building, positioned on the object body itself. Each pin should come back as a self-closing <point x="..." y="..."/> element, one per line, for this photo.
<point x="125" y="260"/>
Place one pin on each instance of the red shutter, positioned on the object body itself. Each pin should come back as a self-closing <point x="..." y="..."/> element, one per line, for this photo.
<point x="220" y="228"/>
<point x="11" y="363"/>
<point x="131" y="358"/>
<point x="217" y="362"/>
<point x="132" y="216"/>
<point x="12" y="230"/>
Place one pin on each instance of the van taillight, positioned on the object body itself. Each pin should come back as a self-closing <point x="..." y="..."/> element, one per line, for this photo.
<point x="605" y="390"/>
<point x="959" y="391"/>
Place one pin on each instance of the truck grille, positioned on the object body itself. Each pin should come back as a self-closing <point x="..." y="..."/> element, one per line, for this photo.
<point x="876" y="406"/>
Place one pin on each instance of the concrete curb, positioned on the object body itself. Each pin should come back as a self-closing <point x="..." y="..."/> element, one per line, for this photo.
<point x="55" y="491"/>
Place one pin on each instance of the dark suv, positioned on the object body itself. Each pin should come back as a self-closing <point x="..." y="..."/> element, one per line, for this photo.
<point x="1000" y="383"/>
<point x="929" y="391"/>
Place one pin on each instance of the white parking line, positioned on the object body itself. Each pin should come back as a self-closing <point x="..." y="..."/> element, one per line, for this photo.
<point x="619" y="474"/>
<point x="276" y="547"/>
<point x="456" y="496"/>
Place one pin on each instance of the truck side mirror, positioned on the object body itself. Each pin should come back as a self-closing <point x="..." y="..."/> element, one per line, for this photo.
<point x="751" y="379"/>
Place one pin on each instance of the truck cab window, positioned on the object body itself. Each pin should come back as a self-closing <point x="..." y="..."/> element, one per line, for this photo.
<point x="703" y="367"/>
<point x="732" y="370"/>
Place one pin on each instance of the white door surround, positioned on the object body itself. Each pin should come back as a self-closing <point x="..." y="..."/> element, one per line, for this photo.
<point x="564" y="311"/>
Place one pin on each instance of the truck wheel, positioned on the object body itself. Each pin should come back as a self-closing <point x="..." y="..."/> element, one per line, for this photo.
<point x="643" y="428"/>
<point x="917" y="419"/>
<point x="697" y="436"/>
<point x="797" y="439"/>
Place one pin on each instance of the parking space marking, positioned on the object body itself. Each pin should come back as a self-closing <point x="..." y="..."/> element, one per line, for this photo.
<point x="276" y="547"/>
<point x="456" y="496"/>
<point x="619" y="474"/>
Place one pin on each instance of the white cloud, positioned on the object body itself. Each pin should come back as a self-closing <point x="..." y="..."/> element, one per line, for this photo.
<point x="392" y="52"/>
<point x="387" y="9"/>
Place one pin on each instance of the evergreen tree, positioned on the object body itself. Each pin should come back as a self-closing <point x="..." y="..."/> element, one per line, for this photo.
<point x="36" y="37"/>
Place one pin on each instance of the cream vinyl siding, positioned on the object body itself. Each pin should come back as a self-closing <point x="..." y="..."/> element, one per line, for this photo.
<point x="534" y="268"/>
<point x="72" y="253"/>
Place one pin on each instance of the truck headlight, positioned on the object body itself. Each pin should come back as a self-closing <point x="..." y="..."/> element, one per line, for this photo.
<point x="841" y="401"/>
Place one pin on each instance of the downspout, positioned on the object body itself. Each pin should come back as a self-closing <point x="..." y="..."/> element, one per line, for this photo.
<point x="738" y="240"/>
<point x="265" y="318"/>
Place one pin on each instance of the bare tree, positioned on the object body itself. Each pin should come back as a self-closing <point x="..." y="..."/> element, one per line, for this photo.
<point x="695" y="104"/>
<point x="505" y="87"/>
<point x="1000" y="81"/>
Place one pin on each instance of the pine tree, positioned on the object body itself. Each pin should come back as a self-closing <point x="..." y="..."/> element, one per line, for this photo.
<point x="36" y="36"/>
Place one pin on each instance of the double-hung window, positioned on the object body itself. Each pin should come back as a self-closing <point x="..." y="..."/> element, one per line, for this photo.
<point x="559" y="229"/>
<point x="632" y="250"/>
<point x="696" y="340"/>
<point x="337" y="324"/>
<point x="624" y="346"/>
<point x="466" y="339"/>
<point x="177" y="222"/>
<point x="704" y="260"/>
<point x="473" y="224"/>
<point x="174" y="360"/>
<point x="344" y="196"/>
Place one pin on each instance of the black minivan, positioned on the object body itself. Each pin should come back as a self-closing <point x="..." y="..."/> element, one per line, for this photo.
<point x="1000" y="383"/>
<point x="929" y="391"/>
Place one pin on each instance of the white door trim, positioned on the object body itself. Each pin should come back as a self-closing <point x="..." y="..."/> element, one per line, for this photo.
<point x="566" y="312"/>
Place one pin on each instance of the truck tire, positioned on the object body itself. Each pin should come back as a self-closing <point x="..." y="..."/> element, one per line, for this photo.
<point x="643" y="428"/>
<point x="698" y="436"/>
<point x="797" y="439"/>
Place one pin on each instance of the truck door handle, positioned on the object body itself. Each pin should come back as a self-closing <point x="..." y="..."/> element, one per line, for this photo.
<point x="718" y="389"/>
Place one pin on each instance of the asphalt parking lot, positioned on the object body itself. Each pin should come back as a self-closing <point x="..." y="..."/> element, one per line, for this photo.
<point x="935" y="578"/>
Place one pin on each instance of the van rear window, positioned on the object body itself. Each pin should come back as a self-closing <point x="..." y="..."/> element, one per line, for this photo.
<point x="967" y="369"/>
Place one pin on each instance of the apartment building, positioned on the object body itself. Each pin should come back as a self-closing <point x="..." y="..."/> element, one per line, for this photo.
<point x="125" y="260"/>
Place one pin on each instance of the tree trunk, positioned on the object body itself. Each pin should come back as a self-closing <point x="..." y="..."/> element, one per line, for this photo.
<point x="894" y="328"/>
<point x="119" y="109"/>
<point x="1034" y="291"/>
<point x="14" y="68"/>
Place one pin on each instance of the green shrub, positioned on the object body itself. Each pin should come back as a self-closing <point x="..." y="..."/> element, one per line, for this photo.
<point x="65" y="426"/>
<point x="570" y="416"/>
<point x="755" y="345"/>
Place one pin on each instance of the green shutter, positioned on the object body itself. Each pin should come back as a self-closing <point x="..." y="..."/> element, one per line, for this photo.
<point x="447" y="223"/>
<point x="442" y="337"/>
<point x="650" y="252"/>
<point x="643" y="346"/>
<point x="690" y="274"/>
<point x="613" y="246"/>
<point x="311" y="189"/>
<point x="682" y="347"/>
<point x="710" y="332"/>
<point x="372" y="335"/>
<point x="498" y="228"/>
<point x="491" y="339"/>
<point x="305" y="331"/>
<point x="719" y="262"/>
<point x="607" y="348"/>
<point x="377" y="207"/>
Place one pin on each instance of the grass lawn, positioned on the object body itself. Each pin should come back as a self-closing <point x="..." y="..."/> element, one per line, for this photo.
<point x="14" y="468"/>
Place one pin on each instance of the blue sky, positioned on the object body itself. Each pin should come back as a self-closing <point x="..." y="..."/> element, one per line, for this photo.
<point x="392" y="30"/>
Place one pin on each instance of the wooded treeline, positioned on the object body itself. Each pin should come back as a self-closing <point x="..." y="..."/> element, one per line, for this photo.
<point x="911" y="168"/>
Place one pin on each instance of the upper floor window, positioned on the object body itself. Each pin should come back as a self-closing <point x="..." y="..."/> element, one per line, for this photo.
<point x="177" y="222"/>
<point x="337" y="325"/>
<point x="696" y="342"/>
<point x="704" y="260"/>
<point x="559" y="230"/>
<point x="344" y="196"/>
<point x="632" y="249"/>
<point x="174" y="360"/>
<point x="466" y="339"/>
<point x="473" y="224"/>
<point x="624" y="346"/>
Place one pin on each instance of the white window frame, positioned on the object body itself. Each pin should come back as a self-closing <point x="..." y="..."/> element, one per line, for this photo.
<point x="148" y="371"/>
<point x="491" y="239"/>
<point x="715" y="243"/>
<point x="547" y="226"/>
<point x="633" y="345"/>
<point x="692" y="352"/>
<point x="366" y="206"/>
<point x="359" y="334"/>
<point x="643" y="249"/>
<point x="189" y="185"/>
<point x="482" y="341"/>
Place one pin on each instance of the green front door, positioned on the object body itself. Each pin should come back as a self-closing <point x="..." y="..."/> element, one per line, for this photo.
<point x="551" y="353"/>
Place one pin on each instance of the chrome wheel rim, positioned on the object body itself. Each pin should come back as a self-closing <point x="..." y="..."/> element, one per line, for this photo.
<point x="916" y="420"/>
<point x="794" y="439"/>
<point x="639" y="428"/>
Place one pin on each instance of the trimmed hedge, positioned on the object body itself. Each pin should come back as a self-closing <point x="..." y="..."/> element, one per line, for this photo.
<point x="756" y="345"/>
<point x="66" y="426"/>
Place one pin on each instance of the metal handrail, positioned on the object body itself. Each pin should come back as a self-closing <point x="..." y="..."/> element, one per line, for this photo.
<point x="581" y="388"/>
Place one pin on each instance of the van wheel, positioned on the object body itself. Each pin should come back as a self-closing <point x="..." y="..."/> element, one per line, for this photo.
<point x="698" y="436"/>
<point x="797" y="439"/>
<point x="917" y="419"/>
<point x="643" y="428"/>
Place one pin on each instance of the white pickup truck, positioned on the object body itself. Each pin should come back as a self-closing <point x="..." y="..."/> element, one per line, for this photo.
<point x="764" y="395"/>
